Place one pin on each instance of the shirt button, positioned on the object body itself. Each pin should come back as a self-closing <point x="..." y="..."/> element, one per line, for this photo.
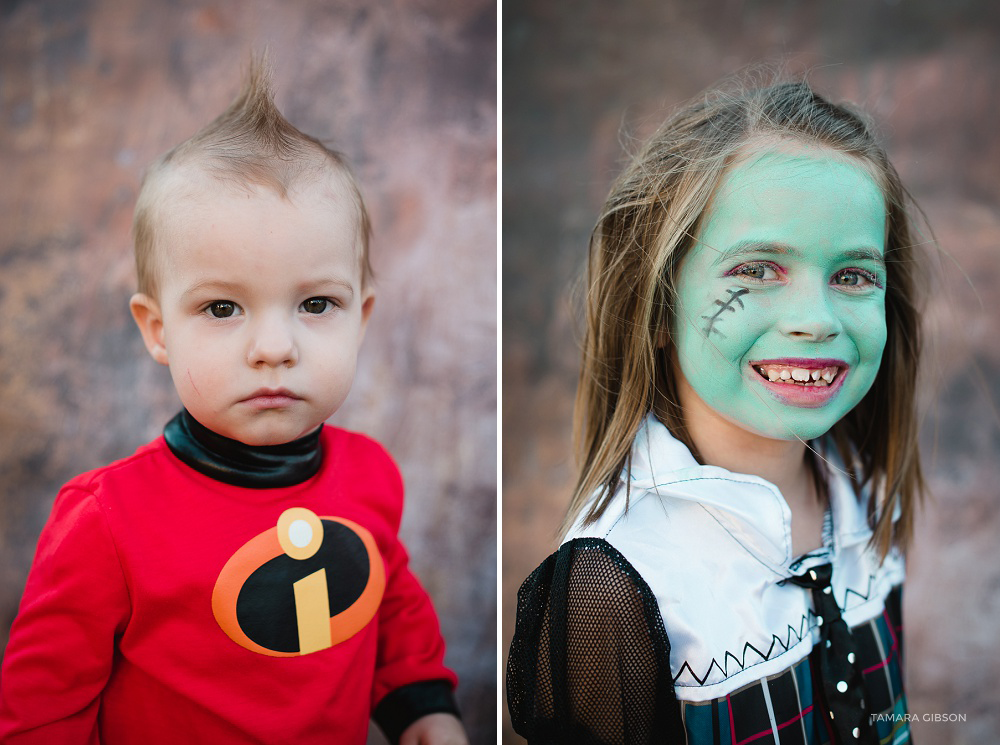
<point x="842" y="687"/>
<point x="819" y="620"/>
<point x="850" y="657"/>
<point x="856" y="733"/>
<point x="827" y="590"/>
<point x="812" y="575"/>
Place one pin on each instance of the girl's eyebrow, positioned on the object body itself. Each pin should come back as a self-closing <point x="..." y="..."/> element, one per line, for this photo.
<point x="743" y="248"/>
<point x="865" y="254"/>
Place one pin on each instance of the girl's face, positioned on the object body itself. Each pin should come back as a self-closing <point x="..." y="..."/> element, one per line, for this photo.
<point x="780" y="321"/>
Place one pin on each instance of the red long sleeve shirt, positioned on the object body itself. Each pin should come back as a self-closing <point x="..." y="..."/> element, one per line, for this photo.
<point x="163" y="607"/>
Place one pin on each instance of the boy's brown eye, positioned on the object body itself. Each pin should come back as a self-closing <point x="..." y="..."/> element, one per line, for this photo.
<point x="315" y="305"/>
<point x="222" y="309"/>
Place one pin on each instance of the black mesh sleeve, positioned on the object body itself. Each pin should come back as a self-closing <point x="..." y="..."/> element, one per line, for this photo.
<point x="590" y="659"/>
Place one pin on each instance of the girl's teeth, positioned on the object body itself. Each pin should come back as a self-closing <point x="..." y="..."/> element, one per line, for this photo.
<point x="816" y="377"/>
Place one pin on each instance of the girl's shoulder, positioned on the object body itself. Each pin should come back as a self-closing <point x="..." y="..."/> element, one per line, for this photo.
<point x="579" y="614"/>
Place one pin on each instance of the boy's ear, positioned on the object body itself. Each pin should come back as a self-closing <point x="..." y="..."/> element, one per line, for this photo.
<point x="149" y="319"/>
<point x="367" y="303"/>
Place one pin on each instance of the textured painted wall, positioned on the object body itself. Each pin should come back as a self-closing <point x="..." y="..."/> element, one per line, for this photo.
<point x="582" y="79"/>
<point x="91" y="91"/>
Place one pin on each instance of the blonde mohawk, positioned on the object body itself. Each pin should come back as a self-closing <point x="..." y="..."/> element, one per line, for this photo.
<point x="250" y="143"/>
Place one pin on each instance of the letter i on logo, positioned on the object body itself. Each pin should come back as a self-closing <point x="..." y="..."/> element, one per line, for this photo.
<point x="300" y="534"/>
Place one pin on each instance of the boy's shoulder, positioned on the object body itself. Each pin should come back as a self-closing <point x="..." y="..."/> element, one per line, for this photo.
<point x="338" y="438"/>
<point x="145" y="458"/>
<point x="361" y="469"/>
<point x="347" y="445"/>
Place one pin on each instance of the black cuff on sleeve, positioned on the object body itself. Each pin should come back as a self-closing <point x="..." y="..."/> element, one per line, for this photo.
<point x="405" y="705"/>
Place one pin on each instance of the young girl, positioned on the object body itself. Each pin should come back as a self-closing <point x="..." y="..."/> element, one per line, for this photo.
<point x="733" y="558"/>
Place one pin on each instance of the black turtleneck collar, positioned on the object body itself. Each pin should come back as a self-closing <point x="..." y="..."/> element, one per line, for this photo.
<point x="232" y="462"/>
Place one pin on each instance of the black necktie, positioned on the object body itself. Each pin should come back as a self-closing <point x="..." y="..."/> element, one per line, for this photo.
<point x="843" y="689"/>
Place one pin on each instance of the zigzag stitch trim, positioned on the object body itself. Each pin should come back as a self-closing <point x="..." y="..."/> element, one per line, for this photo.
<point x="805" y="625"/>
<point x="785" y="645"/>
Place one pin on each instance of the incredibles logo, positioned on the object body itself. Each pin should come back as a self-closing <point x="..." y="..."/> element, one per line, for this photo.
<point x="304" y="585"/>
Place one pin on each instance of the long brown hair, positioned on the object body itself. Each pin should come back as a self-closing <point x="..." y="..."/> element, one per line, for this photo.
<point x="643" y="234"/>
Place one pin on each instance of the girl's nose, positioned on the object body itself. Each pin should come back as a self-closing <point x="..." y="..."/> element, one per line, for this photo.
<point x="272" y="345"/>
<point x="810" y="316"/>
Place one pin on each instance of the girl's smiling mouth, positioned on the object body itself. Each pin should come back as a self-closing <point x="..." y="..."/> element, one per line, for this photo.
<point x="801" y="382"/>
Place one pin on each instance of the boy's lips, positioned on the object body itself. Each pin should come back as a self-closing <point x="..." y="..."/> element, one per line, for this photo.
<point x="271" y="398"/>
<point x="799" y="381"/>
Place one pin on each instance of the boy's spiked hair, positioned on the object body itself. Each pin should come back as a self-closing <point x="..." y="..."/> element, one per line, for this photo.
<point x="649" y="224"/>
<point x="250" y="143"/>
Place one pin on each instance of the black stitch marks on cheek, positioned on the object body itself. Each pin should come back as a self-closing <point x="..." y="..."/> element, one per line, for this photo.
<point x="724" y="305"/>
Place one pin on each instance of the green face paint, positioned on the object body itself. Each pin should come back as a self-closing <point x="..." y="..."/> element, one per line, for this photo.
<point x="780" y="320"/>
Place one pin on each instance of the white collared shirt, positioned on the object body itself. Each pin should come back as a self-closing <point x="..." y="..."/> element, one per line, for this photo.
<point x="715" y="546"/>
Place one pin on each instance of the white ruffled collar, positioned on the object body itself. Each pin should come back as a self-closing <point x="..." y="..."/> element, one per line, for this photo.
<point x="753" y="508"/>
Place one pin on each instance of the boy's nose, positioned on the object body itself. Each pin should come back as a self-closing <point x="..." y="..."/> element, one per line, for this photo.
<point x="810" y="316"/>
<point x="272" y="345"/>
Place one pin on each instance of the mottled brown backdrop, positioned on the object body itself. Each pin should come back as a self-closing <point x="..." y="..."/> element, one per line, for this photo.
<point x="92" y="90"/>
<point x="581" y="79"/>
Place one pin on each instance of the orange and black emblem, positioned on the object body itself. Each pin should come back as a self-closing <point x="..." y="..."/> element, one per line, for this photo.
<point x="304" y="585"/>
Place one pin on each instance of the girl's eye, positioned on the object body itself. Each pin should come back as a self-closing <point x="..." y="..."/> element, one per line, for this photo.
<point x="316" y="305"/>
<point x="760" y="272"/>
<point x="223" y="309"/>
<point x="855" y="278"/>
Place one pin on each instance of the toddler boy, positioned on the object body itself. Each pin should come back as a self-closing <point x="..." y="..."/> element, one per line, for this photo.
<point x="240" y="578"/>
